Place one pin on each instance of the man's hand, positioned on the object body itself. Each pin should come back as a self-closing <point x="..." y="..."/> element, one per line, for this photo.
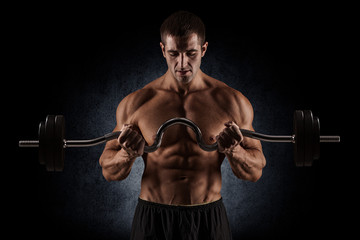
<point x="229" y="138"/>
<point x="119" y="155"/>
<point x="246" y="160"/>
<point x="131" y="141"/>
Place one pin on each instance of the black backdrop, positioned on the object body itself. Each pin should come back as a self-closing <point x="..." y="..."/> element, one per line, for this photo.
<point x="81" y="64"/>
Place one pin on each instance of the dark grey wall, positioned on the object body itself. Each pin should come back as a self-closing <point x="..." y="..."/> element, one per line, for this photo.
<point x="82" y="68"/>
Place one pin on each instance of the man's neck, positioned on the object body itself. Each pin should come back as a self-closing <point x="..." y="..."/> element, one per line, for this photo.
<point x="197" y="83"/>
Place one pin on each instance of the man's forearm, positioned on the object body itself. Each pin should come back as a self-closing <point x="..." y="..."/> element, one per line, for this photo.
<point x="246" y="164"/>
<point x="116" y="165"/>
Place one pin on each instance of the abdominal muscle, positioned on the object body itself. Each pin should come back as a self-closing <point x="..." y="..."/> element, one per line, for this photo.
<point x="181" y="174"/>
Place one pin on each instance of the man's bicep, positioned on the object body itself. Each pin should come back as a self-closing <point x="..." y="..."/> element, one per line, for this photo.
<point x="121" y="114"/>
<point x="246" y="112"/>
<point x="120" y="121"/>
<point x="246" y="118"/>
<point x="247" y="142"/>
<point x="250" y="143"/>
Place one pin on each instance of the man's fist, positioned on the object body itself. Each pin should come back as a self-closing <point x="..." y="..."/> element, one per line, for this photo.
<point x="131" y="141"/>
<point x="229" y="138"/>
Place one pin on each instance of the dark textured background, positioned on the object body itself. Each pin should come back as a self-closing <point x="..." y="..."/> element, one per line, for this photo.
<point x="81" y="64"/>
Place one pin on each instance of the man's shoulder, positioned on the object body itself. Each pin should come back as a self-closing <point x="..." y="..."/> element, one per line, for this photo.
<point x="132" y="102"/>
<point x="233" y="99"/>
<point x="139" y="95"/>
<point x="222" y="90"/>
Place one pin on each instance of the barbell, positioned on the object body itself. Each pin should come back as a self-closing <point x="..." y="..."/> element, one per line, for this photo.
<point x="52" y="143"/>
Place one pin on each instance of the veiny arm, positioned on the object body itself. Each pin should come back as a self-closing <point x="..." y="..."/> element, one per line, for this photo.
<point x="244" y="154"/>
<point x="120" y="154"/>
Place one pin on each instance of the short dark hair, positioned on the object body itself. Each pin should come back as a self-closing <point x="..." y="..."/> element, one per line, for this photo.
<point x="182" y="24"/>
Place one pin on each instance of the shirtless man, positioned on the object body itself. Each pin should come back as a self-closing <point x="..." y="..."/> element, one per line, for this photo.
<point x="180" y="188"/>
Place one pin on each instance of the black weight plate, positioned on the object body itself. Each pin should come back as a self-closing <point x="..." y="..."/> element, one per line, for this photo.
<point x="299" y="133"/>
<point x="308" y="124"/>
<point x="41" y="136"/>
<point x="59" y="143"/>
<point x="316" y="136"/>
<point x="49" y="142"/>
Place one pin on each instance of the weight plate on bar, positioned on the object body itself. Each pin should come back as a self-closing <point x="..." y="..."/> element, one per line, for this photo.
<point x="308" y="124"/>
<point x="49" y="142"/>
<point x="41" y="134"/>
<point x="59" y="143"/>
<point x="316" y="136"/>
<point x="299" y="138"/>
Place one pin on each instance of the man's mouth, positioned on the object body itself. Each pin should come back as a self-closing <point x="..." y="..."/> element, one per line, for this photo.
<point x="183" y="72"/>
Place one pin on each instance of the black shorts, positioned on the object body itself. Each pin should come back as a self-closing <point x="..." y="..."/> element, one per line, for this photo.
<point x="160" y="221"/>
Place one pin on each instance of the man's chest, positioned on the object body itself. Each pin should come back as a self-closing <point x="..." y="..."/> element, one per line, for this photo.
<point x="202" y="108"/>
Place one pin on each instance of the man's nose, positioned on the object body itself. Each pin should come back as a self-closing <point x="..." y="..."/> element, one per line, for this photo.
<point x="183" y="60"/>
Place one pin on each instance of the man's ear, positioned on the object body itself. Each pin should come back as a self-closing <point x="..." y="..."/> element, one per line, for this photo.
<point x="162" y="46"/>
<point x="204" y="48"/>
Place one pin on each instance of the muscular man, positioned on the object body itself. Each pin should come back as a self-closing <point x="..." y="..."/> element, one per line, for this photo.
<point x="180" y="188"/>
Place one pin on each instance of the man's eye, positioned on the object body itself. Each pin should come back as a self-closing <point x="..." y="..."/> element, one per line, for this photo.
<point x="191" y="54"/>
<point x="173" y="54"/>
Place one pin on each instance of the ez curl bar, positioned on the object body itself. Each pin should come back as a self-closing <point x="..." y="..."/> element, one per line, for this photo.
<point x="52" y="143"/>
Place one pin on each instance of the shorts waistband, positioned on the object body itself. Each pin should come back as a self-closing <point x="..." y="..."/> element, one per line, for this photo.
<point x="181" y="207"/>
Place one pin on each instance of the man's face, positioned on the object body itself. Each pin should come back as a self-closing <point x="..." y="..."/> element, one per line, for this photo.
<point x="183" y="56"/>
